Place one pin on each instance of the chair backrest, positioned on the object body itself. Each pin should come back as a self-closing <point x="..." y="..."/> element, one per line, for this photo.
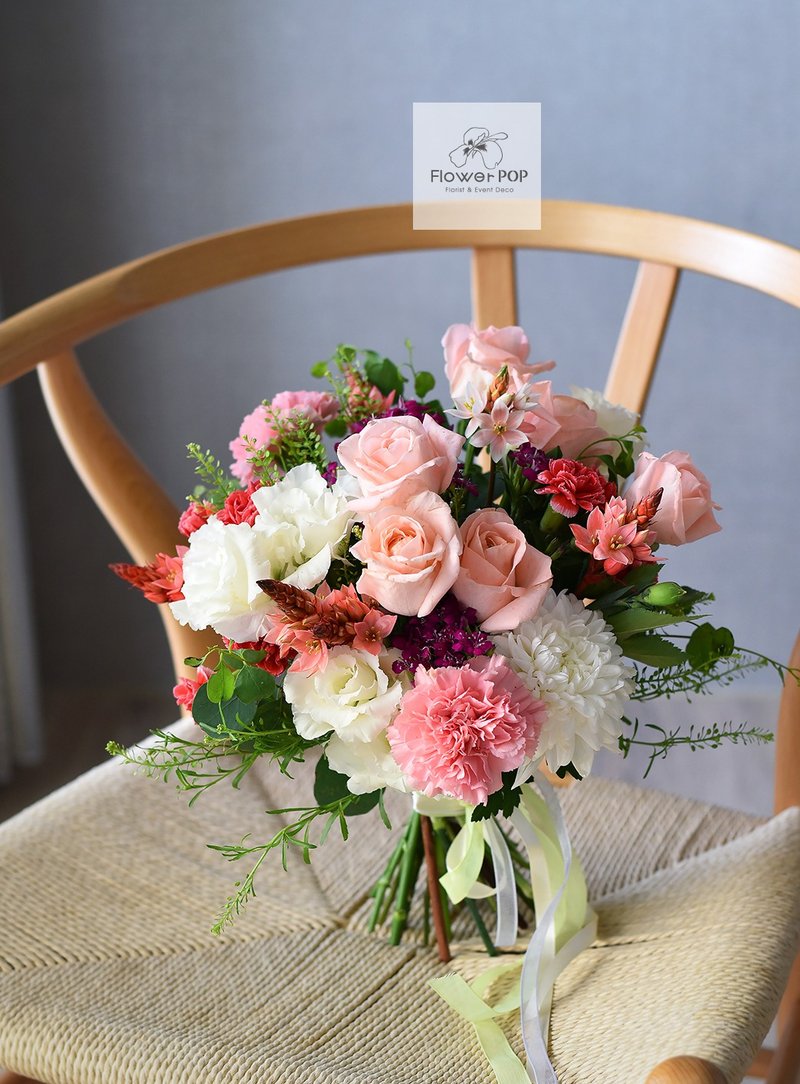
<point x="137" y="507"/>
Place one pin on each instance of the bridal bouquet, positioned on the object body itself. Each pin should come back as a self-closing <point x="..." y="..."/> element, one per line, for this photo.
<point x="460" y="604"/>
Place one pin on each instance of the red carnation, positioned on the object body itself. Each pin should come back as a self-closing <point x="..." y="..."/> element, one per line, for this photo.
<point x="572" y="485"/>
<point x="239" y="507"/>
<point x="194" y="516"/>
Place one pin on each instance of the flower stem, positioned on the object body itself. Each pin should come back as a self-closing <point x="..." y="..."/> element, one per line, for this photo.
<point x="383" y="883"/>
<point x="435" y="891"/>
<point x="492" y="477"/>
<point x="472" y="907"/>
<point x="412" y="860"/>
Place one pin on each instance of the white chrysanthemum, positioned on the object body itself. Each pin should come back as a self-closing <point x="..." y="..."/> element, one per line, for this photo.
<point x="614" y="419"/>
<point x="570" y="659"/>
<point x="356" y="695"/>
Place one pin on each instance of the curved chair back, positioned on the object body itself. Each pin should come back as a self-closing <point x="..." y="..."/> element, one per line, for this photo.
<point x="136" y="506"/>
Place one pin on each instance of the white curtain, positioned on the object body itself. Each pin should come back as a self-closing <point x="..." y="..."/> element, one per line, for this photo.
<point x="20" y="700"/>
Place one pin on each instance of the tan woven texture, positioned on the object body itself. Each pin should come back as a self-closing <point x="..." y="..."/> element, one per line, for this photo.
<point x="109" y="974"/>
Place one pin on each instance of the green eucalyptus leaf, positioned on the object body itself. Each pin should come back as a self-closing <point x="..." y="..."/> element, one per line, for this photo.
<point x="320" y="369"/>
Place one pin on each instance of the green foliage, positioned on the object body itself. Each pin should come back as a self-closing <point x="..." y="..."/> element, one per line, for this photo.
<point x="299" y="443"/>
<point x="296" y="834"/>
<point x="708" y="737"/>
<point x="216" y="484"/>
<point x="653" y="650"/>
<point x="424" y="382"/>
<point x="331" y="787"/>
<point x="503" y="801"/>
<point x="383" y="373"/>
<point x="707" y="645"/>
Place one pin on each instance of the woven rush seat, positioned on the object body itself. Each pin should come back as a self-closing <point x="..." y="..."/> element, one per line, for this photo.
<point x="109" y="973"/>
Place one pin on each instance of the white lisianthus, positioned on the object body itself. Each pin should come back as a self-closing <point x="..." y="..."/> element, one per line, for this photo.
<point x="356" y="695"/>
<point x="368" y="765"/>
<point x="221" y="568"/>
<point x="614" y="419"/>
<point x="317" y="515"/>
<point x="569" y="658"/>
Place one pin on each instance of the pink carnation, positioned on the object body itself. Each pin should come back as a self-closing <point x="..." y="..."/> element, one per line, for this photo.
<point x="257" y="431"/>
<point x="320" y="407"/>
<point x="460" y="728"/>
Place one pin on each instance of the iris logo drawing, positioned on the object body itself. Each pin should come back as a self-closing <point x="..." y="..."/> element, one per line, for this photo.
<point x="477" y="143"/>
<point x="481" y="149"/>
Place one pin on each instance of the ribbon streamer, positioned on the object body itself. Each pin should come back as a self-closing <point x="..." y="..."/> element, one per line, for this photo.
<point x="565" y="926"/>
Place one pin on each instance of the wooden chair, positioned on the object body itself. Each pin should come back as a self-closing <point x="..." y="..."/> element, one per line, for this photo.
<point x="45" y="335"/>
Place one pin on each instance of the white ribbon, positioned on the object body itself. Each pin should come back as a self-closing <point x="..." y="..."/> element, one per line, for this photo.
<point x="507" y="908"/>
<point x="544" y="959"/>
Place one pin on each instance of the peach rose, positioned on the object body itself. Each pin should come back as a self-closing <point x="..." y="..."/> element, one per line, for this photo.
<point x="577" y="428"/>
<point x="475" y="357"/>
<point x="540" y="425"/>
<point x="502" y="577"/>
<point x="686" y="510"/>
<point x="396" y="458"/>
<point x="411" y="554"/>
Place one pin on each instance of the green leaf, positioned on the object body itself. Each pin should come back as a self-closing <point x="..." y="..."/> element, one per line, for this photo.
<point x="320" y="369"/>
<point x="336" y="428"/>
<point x="210" y="716"/>
<point x="652" y="650"/>
<point x="192" y="660"/>
<point x="253" y="683"/>
<point x="251" y="655"/>
<point x="331" y="786"/>
<point x="707" y="644"/>
<point x="503" y="801"/>
<point x="423" y="383"/>
<point x="384" y="374"/>
<point x="636" y="619"/>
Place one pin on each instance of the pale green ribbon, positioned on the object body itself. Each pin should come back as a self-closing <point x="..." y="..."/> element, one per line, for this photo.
<point x="565" y="926"/>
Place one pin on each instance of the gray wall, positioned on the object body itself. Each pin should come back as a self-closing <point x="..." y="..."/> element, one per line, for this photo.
<point x="128" y="126"/>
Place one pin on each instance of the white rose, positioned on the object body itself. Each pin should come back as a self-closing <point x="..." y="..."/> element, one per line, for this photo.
<point x="612" y="418"/>
<point x="369" y="765"/>
<point x="355" y="695"/>
<point x="220" y="573"/>
<point x="318" y="515"/>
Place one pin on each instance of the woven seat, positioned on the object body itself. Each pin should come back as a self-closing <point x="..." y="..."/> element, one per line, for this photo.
<point x="109" y="974"/>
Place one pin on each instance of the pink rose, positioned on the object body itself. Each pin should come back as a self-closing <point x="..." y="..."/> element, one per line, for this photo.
<point x="686" y="510"/>
<point x="460" y="728"/>
<point x="475" y="357"/>
<point x="411" y="554"/>
<point x="320" y="407"/>
<point x="396" y="458"/>
<point x="256" y="432"/>
<point x="502" y="577"/>
<point x="577" y="428"/>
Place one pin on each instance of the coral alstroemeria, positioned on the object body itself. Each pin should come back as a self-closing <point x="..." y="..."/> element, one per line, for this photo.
<point x="613" y="542"/>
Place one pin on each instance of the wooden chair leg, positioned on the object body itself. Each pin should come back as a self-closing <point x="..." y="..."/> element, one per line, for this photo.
<point x="686" y="1071"/>
<point x="785" y="1068"/>
<point x="13" y="1078"/>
